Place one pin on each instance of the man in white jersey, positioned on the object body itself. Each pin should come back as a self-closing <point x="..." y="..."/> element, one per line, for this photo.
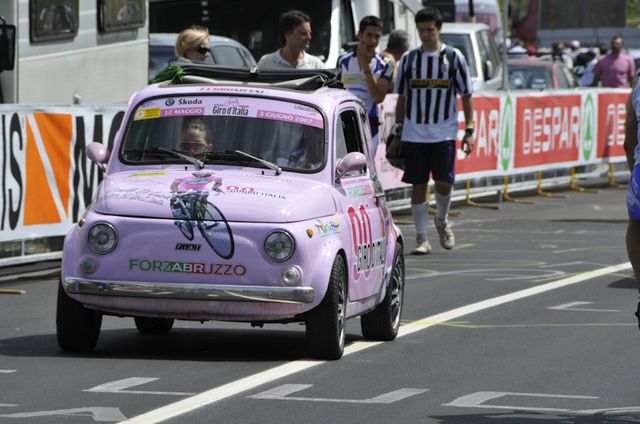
<point x="632" y="151"/>
<point x="295" y="36"/>
<point x="429" y="79"/>
<point x="366" y="73"/>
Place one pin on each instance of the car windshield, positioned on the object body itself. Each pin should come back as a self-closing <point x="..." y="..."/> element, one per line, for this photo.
<point x="462" y="42"/>
<point x="536" y="78"/>
<point x="226" y="130"/>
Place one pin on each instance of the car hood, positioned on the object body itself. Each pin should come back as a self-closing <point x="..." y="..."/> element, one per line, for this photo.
<point x="239" y="196"/>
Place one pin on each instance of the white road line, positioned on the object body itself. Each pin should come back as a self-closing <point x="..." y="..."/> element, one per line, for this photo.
<point x="285" y="370"/>
<point x="29" y="274"/>
<point x="7" y="371"/>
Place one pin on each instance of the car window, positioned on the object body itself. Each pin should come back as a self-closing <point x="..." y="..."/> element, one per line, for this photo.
<point x="348" y="137"/>
<point x="537" y="78"/>
<point x="285" y="133"/>
<point x="491" y="50"/>
<point x="462" y="42"/>
<point x="229" y="56"/>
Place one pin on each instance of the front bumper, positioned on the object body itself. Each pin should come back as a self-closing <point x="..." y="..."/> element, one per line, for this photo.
<point x="217" y="292"/>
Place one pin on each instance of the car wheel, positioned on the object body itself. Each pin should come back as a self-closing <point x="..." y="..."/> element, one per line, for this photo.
<point x="77" y="327"/>
<point x="326" y="324"/>
<point x="146" y="325"/>
<point x="384" y="321"/>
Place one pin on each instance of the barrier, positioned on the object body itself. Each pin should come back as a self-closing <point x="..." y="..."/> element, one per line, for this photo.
<point x="47" y="181"/>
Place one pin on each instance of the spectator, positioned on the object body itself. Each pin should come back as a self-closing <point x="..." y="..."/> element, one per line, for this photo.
<point x="192" y="45"/>
<point x="518" y="51"/>
<point x="558" y="54"/>
<point x="532" y="51"/>
<point x="366" y="74"/>
<point x="615" y="69"/>
<point x="430" y="78"/>
<point x="295" y="37"/>
<point x="397" y="44"/>
<point x="590" y="57"/>
<point x="574" y="50"/>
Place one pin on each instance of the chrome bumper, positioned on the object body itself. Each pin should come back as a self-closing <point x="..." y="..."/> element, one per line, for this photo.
<point x="217" y="292"/>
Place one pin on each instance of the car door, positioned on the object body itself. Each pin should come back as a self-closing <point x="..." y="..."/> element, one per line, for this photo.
<point x="357" y="201"/>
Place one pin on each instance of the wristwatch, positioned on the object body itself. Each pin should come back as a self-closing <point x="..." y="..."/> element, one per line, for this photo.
<point x="469" y="129"/>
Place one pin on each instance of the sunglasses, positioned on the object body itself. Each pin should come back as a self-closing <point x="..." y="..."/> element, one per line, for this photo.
<point x="192" y="147"/>
<point x="203" y="50"/>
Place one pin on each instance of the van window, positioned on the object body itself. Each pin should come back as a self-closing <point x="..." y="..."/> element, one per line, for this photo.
<point x="462" y="42"/>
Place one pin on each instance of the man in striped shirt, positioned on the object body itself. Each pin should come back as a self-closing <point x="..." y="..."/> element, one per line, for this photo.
<point x="429" y="79"/>
<point x="366" y="73"/>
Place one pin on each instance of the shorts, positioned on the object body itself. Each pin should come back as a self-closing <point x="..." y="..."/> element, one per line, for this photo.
<point x="424" y="158"/>
<point x="633" y="201"/>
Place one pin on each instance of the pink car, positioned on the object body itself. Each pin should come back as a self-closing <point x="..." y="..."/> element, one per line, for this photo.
<point x="276" y="217"/>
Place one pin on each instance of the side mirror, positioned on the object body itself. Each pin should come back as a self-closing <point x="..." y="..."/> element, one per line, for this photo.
<point x="489" y="72"/>
<point x="351" y="162"/>
<point x="98" y="154"/>
<point x="7" y="45"/>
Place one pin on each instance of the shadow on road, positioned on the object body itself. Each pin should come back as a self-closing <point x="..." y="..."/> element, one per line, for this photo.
<point x="181" y="344"/>
<point x="625" y="283"/>
<point x="537" y="418"/>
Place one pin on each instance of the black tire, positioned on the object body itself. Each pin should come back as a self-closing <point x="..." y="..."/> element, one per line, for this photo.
<point x="146" y="325"/>
<point x="326" y="324"/>
<point x="77" y="327"/>
<point x="383" y="322"/>
<point x="216" y="231"/>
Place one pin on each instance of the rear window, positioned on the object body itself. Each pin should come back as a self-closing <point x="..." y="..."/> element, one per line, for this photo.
<point x="462" y="42"/>
<point x="214" y="128"/>
<point x="536" y="78"/>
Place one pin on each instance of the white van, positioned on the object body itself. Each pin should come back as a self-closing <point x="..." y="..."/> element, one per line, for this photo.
<point x="485" y="11"/>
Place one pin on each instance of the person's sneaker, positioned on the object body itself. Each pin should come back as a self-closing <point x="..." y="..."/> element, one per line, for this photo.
<point x="447" y="239"/>
<point x="422" y="248"/>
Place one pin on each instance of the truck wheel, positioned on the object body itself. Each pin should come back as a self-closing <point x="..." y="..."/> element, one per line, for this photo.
<point x="77" y="327"/>
<point x="384" y="321"/>
<point x="326" y="324"/>
<point x="146" y="325"/>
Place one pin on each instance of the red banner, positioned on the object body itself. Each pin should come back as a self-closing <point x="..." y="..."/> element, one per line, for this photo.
<point x="484" y="157"/>
<point x="612" y="112"/>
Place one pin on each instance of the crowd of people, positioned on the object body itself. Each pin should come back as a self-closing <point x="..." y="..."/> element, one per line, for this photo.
<point x="594" y="66"/>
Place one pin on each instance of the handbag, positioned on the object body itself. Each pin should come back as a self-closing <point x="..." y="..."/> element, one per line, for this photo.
<point x="395" y="152"/>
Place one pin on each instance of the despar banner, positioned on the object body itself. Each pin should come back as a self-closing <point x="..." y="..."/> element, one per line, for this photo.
<point x="47" y="180"/>
<point x="483" y="159"/>
<point x="612" y="113"/>
<point x="547" y="131"/>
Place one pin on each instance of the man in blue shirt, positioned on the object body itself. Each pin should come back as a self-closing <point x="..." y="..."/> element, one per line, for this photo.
<point x="366" y="73"/>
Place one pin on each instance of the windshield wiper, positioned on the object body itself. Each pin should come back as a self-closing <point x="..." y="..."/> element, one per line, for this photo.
<point x="239" y="153"/>
<point x="266" y="163"/>
<point x="196" y="162"/>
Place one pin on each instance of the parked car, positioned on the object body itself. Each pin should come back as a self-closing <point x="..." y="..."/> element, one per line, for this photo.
<point x="279" y="219"/>
<point x="479" y="48"/>
<point x="224" y="51"/>
<point x="535" y="74"/>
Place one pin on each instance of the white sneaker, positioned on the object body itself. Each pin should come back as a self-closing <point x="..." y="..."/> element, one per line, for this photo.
<point x="447" y="239"/>
<point x="422" y="248"/>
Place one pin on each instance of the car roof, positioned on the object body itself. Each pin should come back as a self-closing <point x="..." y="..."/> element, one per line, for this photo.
<point x="463" y="27"/>
<point x="531" y="63"/>
<point x="169" y="39"/>
<point x="318" y="87"/>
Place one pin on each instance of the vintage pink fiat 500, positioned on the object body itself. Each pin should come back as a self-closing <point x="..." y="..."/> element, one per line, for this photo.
<point x="237" y="201"/>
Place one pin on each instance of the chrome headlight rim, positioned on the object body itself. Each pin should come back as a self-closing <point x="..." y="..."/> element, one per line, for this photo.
<point x="115" y="236"/>
<point x="279" y="233"/>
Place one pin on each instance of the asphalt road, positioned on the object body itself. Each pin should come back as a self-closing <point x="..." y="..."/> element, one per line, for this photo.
<point x="528" y="320"/>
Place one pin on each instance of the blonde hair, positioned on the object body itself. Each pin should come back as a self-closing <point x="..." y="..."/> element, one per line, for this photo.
<point x="190" y="39"/>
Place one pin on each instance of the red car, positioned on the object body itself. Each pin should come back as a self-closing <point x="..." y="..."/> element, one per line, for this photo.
<point x="536" y="74"/>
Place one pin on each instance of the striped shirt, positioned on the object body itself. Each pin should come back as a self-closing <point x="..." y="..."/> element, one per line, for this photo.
<point x="354" y="80"/>
<point x="430" y="83"/>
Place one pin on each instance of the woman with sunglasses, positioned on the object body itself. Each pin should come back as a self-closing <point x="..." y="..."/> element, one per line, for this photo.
<point x="194" y="141"/>
<point x="192" y="45"/>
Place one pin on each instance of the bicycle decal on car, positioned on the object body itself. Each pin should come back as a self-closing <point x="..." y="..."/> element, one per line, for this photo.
<point x="190" y="208"/>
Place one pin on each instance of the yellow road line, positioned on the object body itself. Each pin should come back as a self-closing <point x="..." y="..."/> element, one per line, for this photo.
<point x="7" y="291"/>
<point x="463" y="246"/>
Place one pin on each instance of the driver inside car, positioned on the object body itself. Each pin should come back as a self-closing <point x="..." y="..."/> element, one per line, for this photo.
<point x="308" y="155"/>
<point x="194" y="140"/>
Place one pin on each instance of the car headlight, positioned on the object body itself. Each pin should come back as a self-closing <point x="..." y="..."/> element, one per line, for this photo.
<point x="102" y="238"/>
<point x="279" y="246"/>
